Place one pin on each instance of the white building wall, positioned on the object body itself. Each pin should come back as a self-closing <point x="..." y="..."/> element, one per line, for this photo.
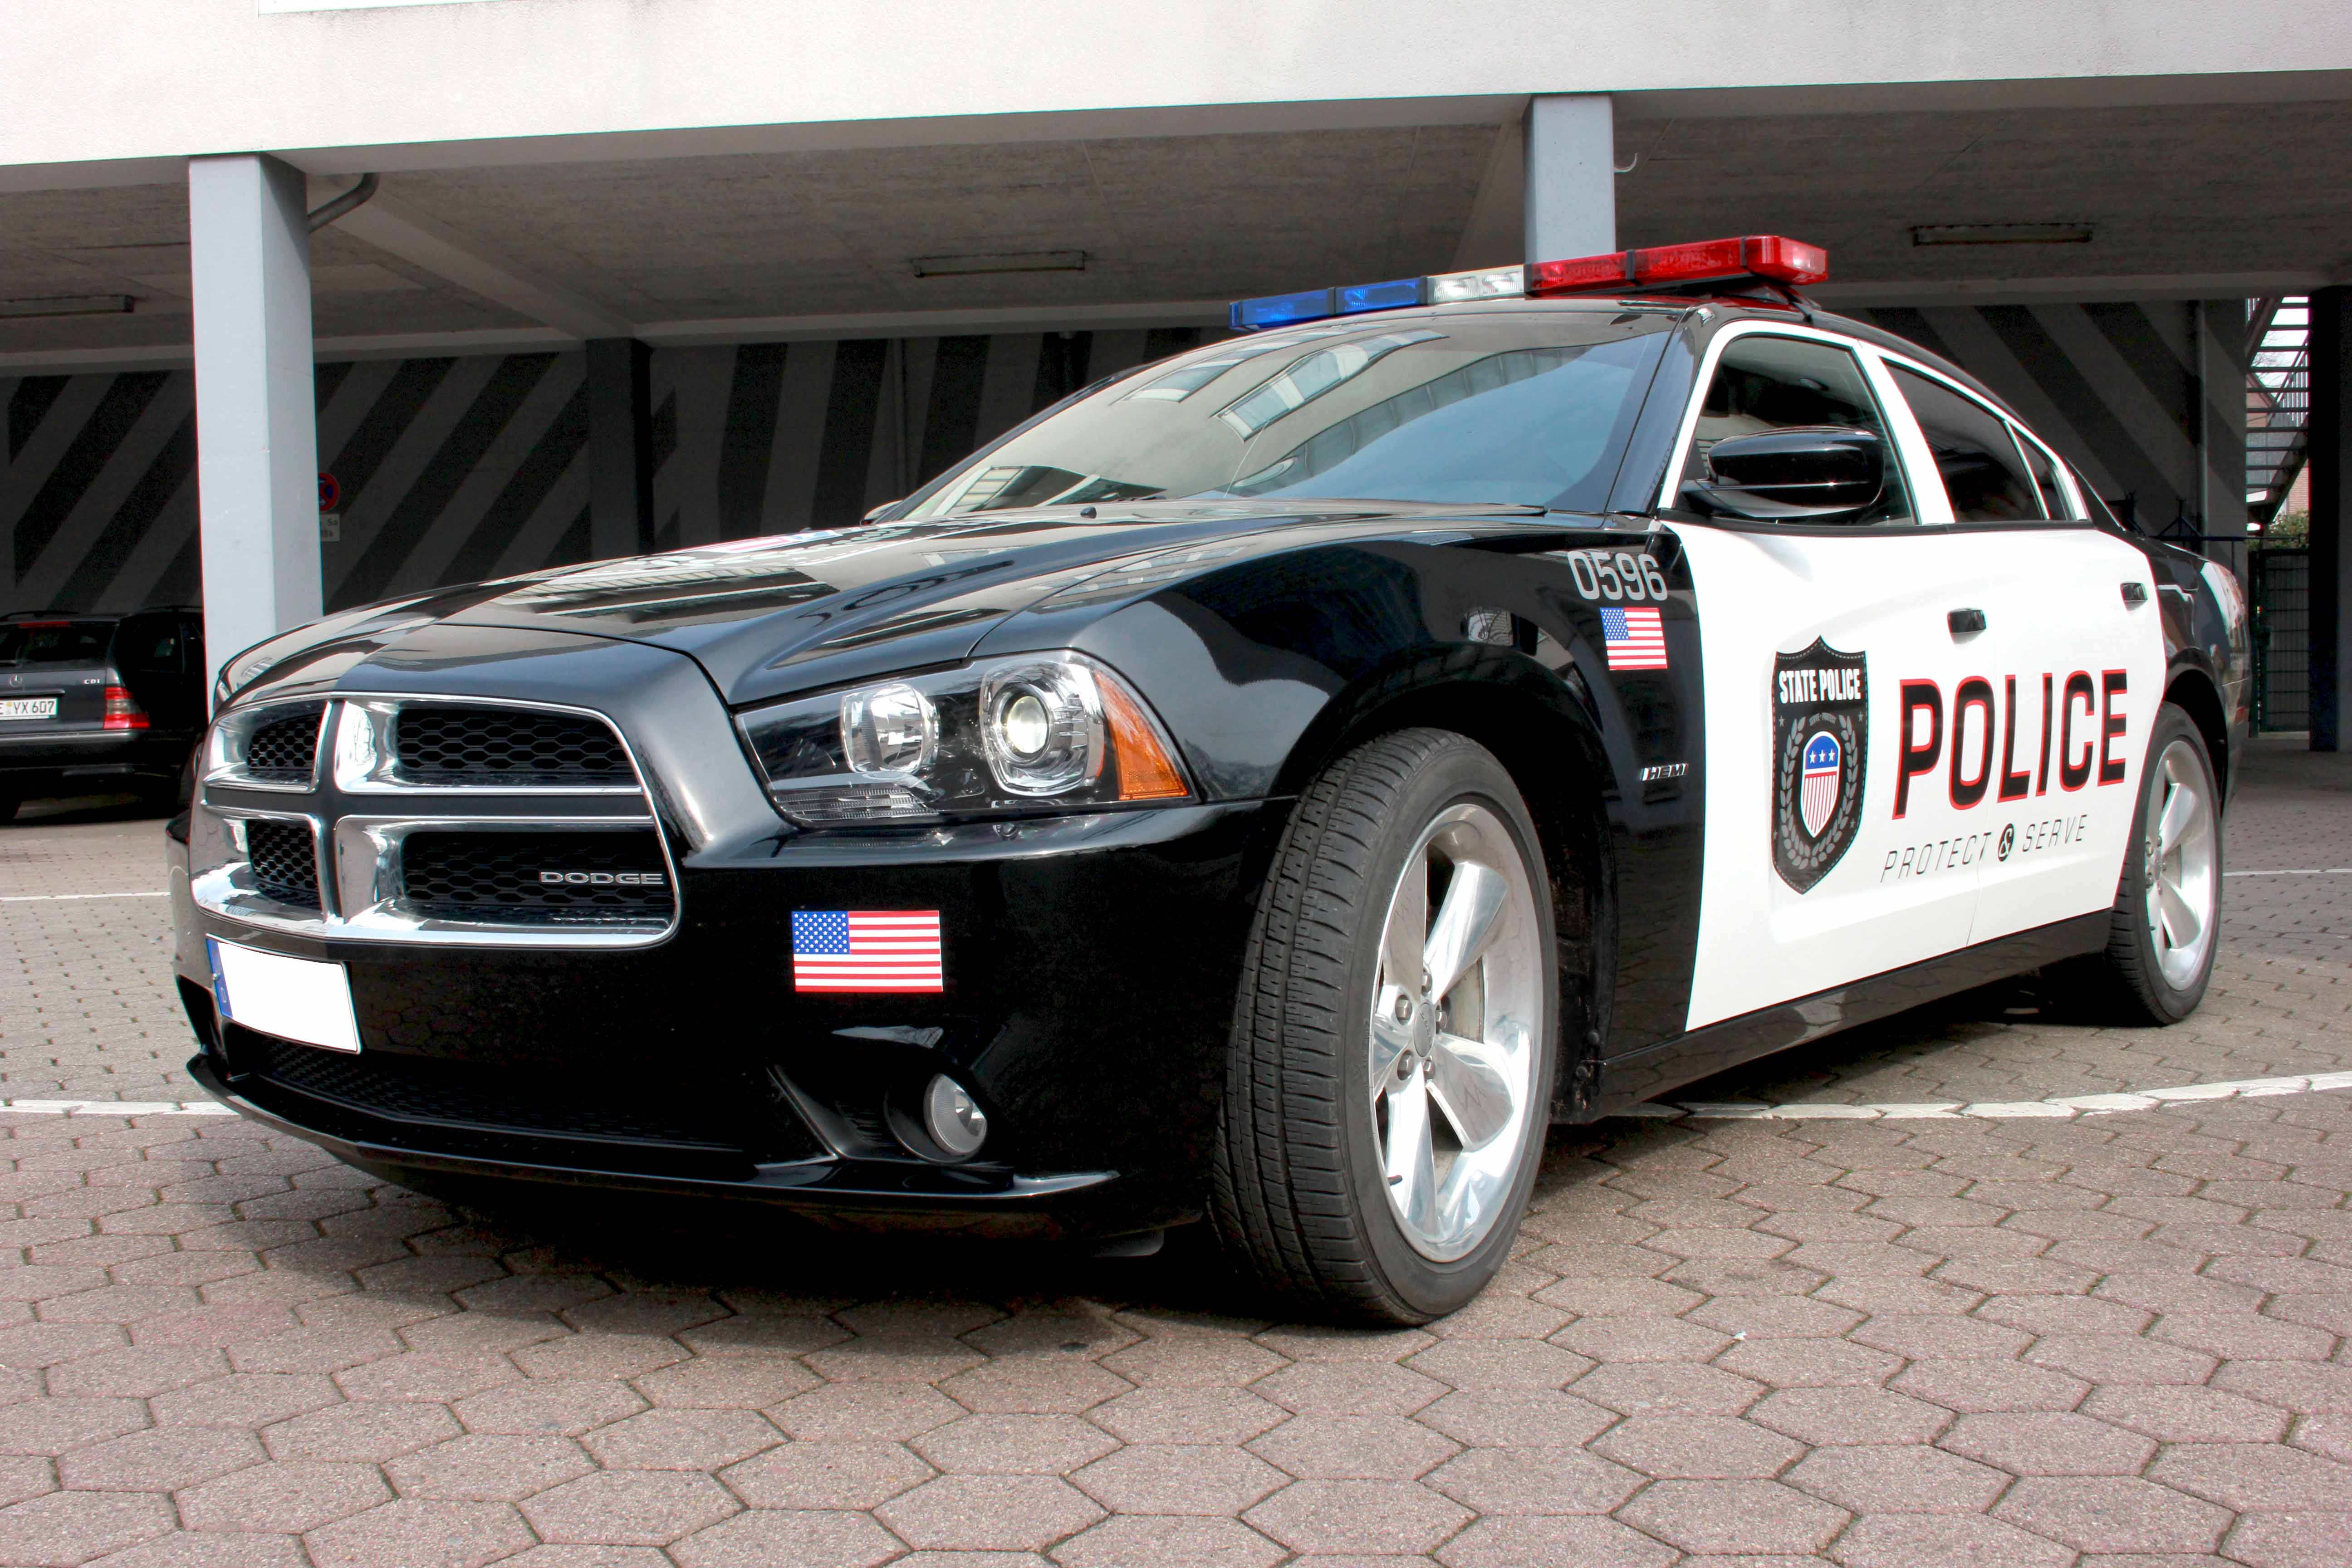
<point x="119" y="82"/>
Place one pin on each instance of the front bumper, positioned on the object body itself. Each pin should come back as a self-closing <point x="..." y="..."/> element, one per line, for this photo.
<point x="1090" y="967"/>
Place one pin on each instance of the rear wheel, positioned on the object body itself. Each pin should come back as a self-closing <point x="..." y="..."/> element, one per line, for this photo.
<point x="1392" y="1064"/>
<point x="2162" y="943"/>
<point x="8" y="805"/>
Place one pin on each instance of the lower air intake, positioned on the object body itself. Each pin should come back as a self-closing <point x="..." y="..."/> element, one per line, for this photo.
<point x="526" y="1114"/>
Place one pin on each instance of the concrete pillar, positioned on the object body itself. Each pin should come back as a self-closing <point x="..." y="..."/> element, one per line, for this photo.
<point x="256" y="414"/>
<point x="1572" y="205"/>
<point x="620" y="449"/>
<point x="2331" y="516"/>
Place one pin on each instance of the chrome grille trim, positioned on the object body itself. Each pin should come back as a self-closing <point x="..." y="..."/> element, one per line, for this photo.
<point x="367" y="763"/>
<point x="232" y="889"/>
<point x="226" y="743"/>
<point x="360" y="809"/>
<point x="368" y="870"/>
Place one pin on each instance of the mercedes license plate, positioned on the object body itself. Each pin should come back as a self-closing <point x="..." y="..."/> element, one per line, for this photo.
<point x="28" y="708"/>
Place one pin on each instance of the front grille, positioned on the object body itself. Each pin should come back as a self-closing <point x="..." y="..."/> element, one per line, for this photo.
<point x="465" y="1094"/>
<point x="443" y="745"/>
<point x="556" y="878"/>
<point x="286" y="750"/>
<point x="285" y="861"/>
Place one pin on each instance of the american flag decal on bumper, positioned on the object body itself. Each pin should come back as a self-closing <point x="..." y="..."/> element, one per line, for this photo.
<point x="865" y="950"/>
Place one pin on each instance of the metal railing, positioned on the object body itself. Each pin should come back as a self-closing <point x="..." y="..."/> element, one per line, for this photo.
<point x="2279" y="587"/>
<point x="2278" y="400"/>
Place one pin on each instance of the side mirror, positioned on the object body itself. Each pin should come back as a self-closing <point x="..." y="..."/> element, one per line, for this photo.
<point x="1805" y="473"/>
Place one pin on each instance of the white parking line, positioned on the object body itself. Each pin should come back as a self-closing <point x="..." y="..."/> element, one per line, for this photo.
<point x="118" y="1107"/>
<point x="1696" y="1110"/>
<point x="69" y="898"/>
<point x="2329" y="871"/>
<point x="1996" y="1111"/>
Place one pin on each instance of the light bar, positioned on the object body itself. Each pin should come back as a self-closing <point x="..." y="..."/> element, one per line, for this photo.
<point x="1314" y="304"/>
<point x="1771" y="257"/>
<point x="1495" y="283"/>
<point x="1768" y="255"/>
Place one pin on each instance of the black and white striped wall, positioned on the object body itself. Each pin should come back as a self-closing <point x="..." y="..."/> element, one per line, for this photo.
<point x="457" y="468"/>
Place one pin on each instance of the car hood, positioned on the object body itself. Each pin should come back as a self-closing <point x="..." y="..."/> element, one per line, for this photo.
<point x="767" y="617"/>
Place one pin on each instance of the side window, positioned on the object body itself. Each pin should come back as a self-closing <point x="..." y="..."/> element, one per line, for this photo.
<point x="149" y="645"/>
<point x="1766" y="385"/>
<point x="2044" y="469"/>
<point x="1983" y="472"/>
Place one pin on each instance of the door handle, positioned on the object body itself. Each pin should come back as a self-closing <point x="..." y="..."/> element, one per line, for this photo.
<point x="2135" y="593"/>
<point x="1963" y="621"/>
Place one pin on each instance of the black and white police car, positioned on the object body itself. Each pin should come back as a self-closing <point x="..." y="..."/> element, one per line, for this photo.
<point x="1273" y="784"/>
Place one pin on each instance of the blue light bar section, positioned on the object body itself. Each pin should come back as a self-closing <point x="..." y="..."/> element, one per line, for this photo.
<point x="1281" y="310"/>
<point x="1314" y="304"/>
<point x="1388" y="296"/>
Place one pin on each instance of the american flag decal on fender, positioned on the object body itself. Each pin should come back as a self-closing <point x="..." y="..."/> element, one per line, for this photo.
<point x="865" y="950"/>
<point x="1634" y="640"/>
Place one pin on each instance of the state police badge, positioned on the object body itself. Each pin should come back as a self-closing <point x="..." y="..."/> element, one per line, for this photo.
<point x="1820" y="731"/>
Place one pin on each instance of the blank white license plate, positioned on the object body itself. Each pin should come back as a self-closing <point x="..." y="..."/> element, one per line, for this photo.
<point x="28" y="707"/>
<point x="292" y="998"/>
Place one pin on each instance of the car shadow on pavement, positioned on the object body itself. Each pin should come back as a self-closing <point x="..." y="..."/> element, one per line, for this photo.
<point x="741" y="1252"/>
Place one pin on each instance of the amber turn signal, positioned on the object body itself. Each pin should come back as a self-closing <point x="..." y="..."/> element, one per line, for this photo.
<point x="1146" y="771"/>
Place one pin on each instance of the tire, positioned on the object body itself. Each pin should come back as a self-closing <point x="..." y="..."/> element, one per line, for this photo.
<point x="8" y="805"/>
<point x="2155" y="971"/>
<point x="1316" y="1134"/>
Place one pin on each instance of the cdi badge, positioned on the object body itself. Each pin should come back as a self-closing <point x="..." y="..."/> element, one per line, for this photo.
<point x="1821" y="727"/>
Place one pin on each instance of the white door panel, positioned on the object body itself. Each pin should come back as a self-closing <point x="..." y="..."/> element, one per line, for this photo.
<point x="1894" y="891"/>
<point x="2061" y="622"/>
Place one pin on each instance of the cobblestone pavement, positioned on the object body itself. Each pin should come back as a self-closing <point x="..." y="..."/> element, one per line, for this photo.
<point x="2115" y="1341"/>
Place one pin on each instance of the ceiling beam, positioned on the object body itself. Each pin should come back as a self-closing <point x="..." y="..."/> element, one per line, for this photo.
<point x="937" y="324"/>
<point x="1496" y="234"/>
<point x="441" y="251"/>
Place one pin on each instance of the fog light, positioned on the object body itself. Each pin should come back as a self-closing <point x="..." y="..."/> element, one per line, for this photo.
<point x="956" y="1124"/>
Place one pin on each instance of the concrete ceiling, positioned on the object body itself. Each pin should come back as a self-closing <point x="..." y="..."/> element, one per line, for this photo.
<point x="2220" y="196"/>
<point x="2186" y="191"/>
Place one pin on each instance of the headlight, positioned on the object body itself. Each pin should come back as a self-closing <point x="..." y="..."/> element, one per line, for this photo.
<point x="1038" y="730"/>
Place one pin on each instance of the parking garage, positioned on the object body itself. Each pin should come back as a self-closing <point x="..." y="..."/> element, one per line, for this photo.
<point x="1984" y="1281"/>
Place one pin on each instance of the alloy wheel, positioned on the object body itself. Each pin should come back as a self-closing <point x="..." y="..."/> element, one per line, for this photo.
<point x="1452" y="1032"/>
<point x="2182" y="888"/>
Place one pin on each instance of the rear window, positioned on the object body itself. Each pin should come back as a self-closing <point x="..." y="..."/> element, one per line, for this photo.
<point x="55" y="642"/>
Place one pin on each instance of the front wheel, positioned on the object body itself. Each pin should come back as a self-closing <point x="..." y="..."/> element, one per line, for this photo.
<point x="1390" y="1070"/>
<point x="2165" y="930"/>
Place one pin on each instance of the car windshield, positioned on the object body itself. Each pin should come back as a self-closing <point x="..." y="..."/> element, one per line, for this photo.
<point x="54" y="642"/>
<point x="1482" y="408"/>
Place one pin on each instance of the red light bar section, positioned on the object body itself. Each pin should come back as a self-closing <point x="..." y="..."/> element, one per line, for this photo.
<point x="1769" y="256"/>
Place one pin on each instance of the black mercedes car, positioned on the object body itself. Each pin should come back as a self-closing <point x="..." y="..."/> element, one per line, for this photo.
<point x="93" y="704"/>
<point x="1273" y="785"/>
